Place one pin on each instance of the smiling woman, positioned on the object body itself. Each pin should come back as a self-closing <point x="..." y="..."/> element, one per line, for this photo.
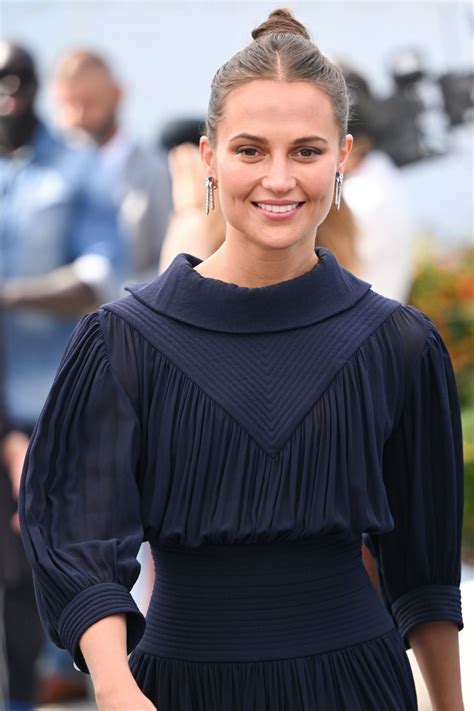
<point x="253" y="416"/>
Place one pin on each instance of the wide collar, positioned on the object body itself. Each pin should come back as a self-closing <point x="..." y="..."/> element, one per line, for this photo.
<point x="181" y="293"/>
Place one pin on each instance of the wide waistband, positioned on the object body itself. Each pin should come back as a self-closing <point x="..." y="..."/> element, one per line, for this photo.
<point x="261" y="601"/>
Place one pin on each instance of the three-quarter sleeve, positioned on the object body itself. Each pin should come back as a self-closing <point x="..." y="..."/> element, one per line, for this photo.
<point x="419" y="560"/>
<point x="79" y="503"/>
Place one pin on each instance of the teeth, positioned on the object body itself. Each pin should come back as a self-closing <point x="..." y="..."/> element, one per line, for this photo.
<point x="277" y="208"/>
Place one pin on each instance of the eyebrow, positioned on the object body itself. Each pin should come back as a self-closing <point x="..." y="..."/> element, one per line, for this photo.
<point x="259" y="139"/>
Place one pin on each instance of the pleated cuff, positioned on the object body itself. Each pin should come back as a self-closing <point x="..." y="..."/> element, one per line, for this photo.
<point x="430" y="603"/>
<point x="91" y="605"/>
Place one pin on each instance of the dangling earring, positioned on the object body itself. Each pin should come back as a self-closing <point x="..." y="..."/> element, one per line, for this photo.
<point x="210" y="187"/>
<point x="338" y="193"/>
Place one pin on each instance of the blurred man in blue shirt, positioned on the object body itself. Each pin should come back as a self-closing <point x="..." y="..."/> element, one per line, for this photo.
<point x="87" y="98"/>
<point x="60" y="255"/>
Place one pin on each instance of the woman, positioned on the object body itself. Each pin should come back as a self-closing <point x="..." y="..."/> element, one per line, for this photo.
<point x="252" y="416"/>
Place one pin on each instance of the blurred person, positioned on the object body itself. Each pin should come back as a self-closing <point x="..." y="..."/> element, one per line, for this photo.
<point x="87" y="97"/>
<point x="375" y="193"/>
<point x="252" y="415"/>
<point x="59" y="247"/>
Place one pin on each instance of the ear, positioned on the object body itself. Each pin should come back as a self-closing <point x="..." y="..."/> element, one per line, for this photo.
<point x="344" y="153"/>
<point x="207" y="156"/>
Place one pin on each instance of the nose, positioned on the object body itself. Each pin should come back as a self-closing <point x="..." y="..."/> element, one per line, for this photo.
<point x="279" y="178"/>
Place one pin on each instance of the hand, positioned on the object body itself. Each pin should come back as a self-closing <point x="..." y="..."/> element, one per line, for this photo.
<point x="14" y="448"/>
<point x="124" y="698"/>
<point x="188" y="177"/>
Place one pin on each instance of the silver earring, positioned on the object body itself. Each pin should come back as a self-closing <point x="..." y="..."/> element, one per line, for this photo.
<point x="210" y="187"/>
<point x="338" y="193"/>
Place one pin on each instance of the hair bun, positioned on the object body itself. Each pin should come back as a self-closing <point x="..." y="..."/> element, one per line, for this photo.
<point x="278" y="21"/>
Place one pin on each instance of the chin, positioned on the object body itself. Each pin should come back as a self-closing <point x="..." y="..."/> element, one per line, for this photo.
<point x="280" y="244"/>
<point x="282" y="239"/>
<point x="272" y="237"/>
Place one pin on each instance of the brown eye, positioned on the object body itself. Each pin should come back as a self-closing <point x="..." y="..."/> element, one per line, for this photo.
<point x="247" y="151"/>
<point x="308" y="152"/>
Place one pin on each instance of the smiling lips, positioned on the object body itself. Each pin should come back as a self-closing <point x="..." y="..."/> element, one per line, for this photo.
<point x="280" y="209"/>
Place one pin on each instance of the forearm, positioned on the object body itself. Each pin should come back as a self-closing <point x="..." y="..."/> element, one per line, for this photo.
<point x="436" y="648"/>
<point x="59" y="292"/>
<point x="104" y="647"/>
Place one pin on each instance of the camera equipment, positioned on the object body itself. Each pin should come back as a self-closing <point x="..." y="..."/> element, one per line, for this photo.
<point x="413" y="123"/>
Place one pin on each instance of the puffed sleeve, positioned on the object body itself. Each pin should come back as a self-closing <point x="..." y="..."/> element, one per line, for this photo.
<point x="79" y="502"/>
<point x="419" y="560"/>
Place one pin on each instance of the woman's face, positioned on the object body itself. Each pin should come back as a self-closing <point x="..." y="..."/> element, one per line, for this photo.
<point x="275" y="157"/>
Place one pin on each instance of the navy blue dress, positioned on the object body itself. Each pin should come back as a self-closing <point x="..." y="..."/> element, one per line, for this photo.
<point x="253" y="436"/>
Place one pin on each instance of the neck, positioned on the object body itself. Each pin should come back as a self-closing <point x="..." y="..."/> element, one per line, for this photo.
<point x="17" y="131"/>
<point x="253" y="266"/>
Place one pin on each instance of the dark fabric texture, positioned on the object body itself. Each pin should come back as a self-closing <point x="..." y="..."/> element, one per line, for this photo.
<point x="253" y="462"/>
<point x="13" y="564"/>
<point x="20" y="625"/>
<point x="24" y="636"/>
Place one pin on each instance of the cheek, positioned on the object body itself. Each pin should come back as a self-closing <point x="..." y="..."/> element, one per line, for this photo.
<point x="234" y="188"/>
<point x="323" y="183"/>
<point x="231" y="204"/>
<point x="235" y="182"/>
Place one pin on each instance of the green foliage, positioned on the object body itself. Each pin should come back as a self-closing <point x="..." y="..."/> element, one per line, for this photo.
<point x="468" y="433"/>
<point x="444" y="291"/>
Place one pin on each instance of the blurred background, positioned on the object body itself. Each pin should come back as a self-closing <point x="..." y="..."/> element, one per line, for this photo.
<point x="417" y="59"/>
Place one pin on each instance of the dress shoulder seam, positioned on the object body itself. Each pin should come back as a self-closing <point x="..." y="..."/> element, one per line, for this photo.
<point x="430" y="333"/>
<point x="113" y="372"/>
